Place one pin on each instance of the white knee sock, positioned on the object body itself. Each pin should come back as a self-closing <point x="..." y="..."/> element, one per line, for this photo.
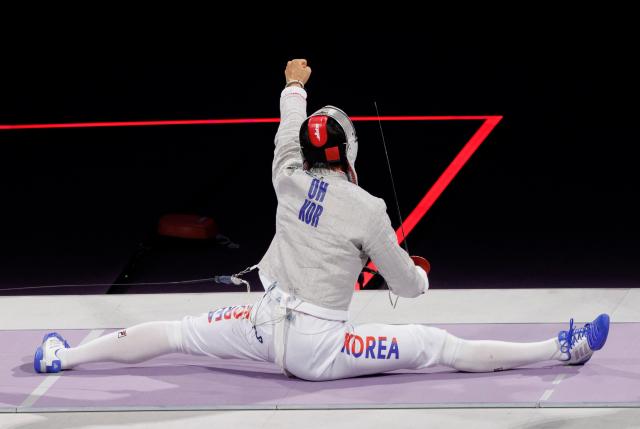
<point x="485" y="356"/>
<point x="131" y="345"/>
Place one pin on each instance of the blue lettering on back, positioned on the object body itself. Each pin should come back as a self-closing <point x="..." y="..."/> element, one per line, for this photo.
<point x="310" y="212"/>
<point x="303" y="209"/>
<point x="316" y="216"/>
<point x="323" y="190"/>
<point x="313" y="189"/>
<point x="309" y="215"/>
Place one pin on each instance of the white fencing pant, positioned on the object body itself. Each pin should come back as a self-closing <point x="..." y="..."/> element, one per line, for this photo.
<point x="314" y="348"/>
<point x="320" y="349"/>
<point x="229" y="333"/>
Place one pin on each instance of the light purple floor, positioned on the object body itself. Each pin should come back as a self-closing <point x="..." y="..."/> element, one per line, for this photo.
<point x="611" y="378"/>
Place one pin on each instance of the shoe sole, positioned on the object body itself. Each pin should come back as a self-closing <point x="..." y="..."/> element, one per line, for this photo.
<point x="581" y="362"/>
<point x="37" y="359"/>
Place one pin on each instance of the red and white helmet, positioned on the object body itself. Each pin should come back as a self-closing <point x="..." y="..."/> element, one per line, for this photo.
<point x="329" y="137"/>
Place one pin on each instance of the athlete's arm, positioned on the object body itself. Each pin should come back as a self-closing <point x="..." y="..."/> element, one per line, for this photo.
<point x="402" y="275"/>
<point x="293" y="112"/>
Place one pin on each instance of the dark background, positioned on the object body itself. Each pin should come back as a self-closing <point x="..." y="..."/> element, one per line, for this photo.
<point x="547" y="201"/>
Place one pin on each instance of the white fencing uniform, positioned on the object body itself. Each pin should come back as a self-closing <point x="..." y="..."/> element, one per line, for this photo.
<point x="316" y="348"/>
<point x="326" y="228"/>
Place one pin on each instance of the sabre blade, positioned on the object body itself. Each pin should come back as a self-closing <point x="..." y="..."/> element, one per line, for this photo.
<point x="395" y="195"/>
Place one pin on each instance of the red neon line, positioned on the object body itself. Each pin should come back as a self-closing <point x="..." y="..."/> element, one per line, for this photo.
<point x="439" y="186"/>
<point x="226" y="121"/>
<point x="414" y="217"/>
<point x="418" y="118"/>
<point x="449" y="173"/>
<point x="140" y="123"/>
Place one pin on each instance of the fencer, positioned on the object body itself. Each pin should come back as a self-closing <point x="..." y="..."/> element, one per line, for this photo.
<point x="327" y="227"/>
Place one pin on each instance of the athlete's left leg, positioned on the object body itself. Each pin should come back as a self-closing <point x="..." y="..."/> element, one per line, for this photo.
<point x="224" y="333"/>
<point x="132" y="345"/>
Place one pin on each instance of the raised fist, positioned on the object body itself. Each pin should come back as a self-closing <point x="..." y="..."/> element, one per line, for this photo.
<point x="297" y="70"/>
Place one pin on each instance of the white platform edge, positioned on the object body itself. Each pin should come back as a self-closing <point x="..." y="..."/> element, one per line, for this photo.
<point x="435" y="307"/>
<point x="327" y="407"/>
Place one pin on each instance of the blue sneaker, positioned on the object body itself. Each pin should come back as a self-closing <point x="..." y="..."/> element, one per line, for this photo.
<point x="45" y="358"/>
<point x="579" y="344"/>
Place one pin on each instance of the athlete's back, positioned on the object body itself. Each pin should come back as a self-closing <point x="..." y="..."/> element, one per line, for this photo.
<point x="327" y="226"/>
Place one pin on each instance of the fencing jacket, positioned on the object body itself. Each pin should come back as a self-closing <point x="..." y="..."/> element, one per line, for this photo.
<point x="326" y="228"/>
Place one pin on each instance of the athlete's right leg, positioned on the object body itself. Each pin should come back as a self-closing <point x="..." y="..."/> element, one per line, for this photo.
<point x="573" y="347"/>
<point x="325" y="350"/>
<point x="488" y="355"/>
<point x="320" y="349"/>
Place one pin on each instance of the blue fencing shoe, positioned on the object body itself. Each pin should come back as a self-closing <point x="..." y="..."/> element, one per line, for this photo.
<point x="579" y="344"/>
<point x="45" y="358"/>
